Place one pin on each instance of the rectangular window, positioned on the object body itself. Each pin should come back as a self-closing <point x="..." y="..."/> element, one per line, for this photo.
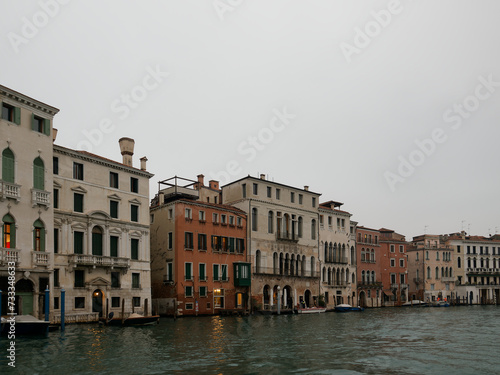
<point x="223" y="219"/>
<point x="393" y="262"/>
<point x="11" y="113"/>
<point x="56" y="277"/>
<point x="216" y="272"/>
<point x="201" y="216"/>
<point x="202" y="241"/>
<point x="215" y="218"/>
<point x="202" y="268"/>
<point x="329" y="221"/>
<point x="458" y="249"/>
<point x="55" y="165"/>
<point x="115" y="301"/>
<point x="78" y="202"/>
<point x="115" y="279"/>
<point x="269" y="191"/>
<point x="401" y="249"/>
<point x="240" y="245"/>
<point x="402" y="278"/>
<point x="136" y="280"/>
<point x="78" y="242"/>
<point x="393" y="278"/>
<point x="136" y="301"/>
<point x="188" y="291"/>
<point x="203" y="291"/>
<point x="78" y="171"/>
<point x="244" y="190"/>
<point x="113" y="246"/>
<point x="134" y="185"/>
<point x="56" y="198"/>
<point x="437" y="255"/>
<point x="292" y="197"/>
<point x="189" y="306"/>
<point x="170" y="274"/>
<point x="56" y="240"/>
<point x="113" y="180"/>
<point x="231" y="245"/>
<point x="134" y="213"/>
<point x="231" y="220"/>
<point x="224" y="275"/>
<point x="218" y="298"/>
<point x="188" y="271"/>
<point x="79" y="278"/>
<point x="188" y="214"/>
<point x="40" y="124"/>
<point x="188" y="240"/>
<point x="134" y="249"/>
<point x="239" y="222"/>
<point x="300" y="198"/>
<point x="56" y="303"/>
<point x="79" y="302"/>
<point x="401" y="263"/>
<point x="255" y="189"/>
<point x="113" y="209"/>
<point x="314" y="201"/>
<point x="278" y="193"/>
<point x="170" y="240"/>
<point x="170" y="213"/>
<point x="393" y="249"/>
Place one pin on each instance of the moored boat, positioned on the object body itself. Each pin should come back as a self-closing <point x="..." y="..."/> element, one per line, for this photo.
<point x="344" y="307"/>
<point x="22" y="325"/>
<point x="415" y="303"/>
<point x="134" y="320"/>
<point x="311" y="310"/>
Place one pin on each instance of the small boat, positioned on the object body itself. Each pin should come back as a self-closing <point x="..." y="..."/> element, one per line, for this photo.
<point x="440" y="304"/>
<point x="23" y="325"/>
<point x="344" y="307"/>
<point x="133" y="320"/>
<point x="415" y="303"/>
<point x="311" y="310"/>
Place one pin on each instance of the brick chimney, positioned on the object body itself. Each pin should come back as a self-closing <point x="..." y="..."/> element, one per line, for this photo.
<point x="306" y="188"/>
<point x="127" y="150"/>
<point x="262" y="176"/>
<point x="213" y="184"/>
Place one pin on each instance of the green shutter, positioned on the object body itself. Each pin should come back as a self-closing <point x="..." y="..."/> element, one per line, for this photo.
<point x="170" y="272"/>
<point x="231" y="245"/>
<point x="224" y="272"/>
<point x="8" y="163"/>
<point x="187" y="269"/>
<point x="216" y="271"/>
<point x="46" y="126"/>
<point x="42" y="239"/>
<point x="38" y="174"/>
<point x="78" y="242"/>
<point x="17" y="115"/>
<point x="113" y="246"/>
<point x="202" y="271"/>
<point x="33" y="124"/>
<point x="96" y="244"/>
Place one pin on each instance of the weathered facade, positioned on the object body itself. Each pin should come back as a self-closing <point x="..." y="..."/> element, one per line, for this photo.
<point x="369" y="267"/>
<point x="393" y="268"/>
<point x="283" y="240"/>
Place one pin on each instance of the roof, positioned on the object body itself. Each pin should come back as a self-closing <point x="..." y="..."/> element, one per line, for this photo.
<point x="270" y="182"/>
<point x="366" y="228"/>
<point x="207" y="204"/>
<point x="20" y="96"/>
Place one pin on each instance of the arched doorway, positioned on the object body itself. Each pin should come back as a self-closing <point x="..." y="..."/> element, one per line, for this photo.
<point x="287" y="298"/>
<point x="24" y="297"/>
<point x="307" y="298"/>
<point x="97" y="298"/>
<point x="362" y="299"/>
<point x="266" y="296"/>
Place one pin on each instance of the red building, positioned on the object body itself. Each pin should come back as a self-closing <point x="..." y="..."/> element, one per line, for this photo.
<point x="393" y="267"/>
<point x="198" y="251"/>
<point x="368" y="267"/>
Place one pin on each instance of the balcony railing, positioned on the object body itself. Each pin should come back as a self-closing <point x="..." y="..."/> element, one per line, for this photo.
<point x="40" y="197"/>
<point x="9" y="255"/>
<point x="342" y="260"/>
<point x="483" y="270"/>
<point x="10" y="190"/>
<point x="287" y="236"/>
<point x="40" y="258"/>
<point x="100" y="261"/>
<point x="365" y="284"/>
<point x="284" y="272"/>
<point x="448" y="279"/>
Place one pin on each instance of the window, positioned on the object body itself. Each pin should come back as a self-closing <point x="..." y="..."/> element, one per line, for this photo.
<point x="40" y="124"/>
<point x="240" y="245"/>
<point x="401" y="249"/>
<point x="224" y="276"/>
<point x="292" y="197"/>
<point x="278" y="191"/>
<point x="38" y="174"/>
<point x="56" y="303"/>
<point x="188" y="271"/>
<point x="393" y="278"/>
<point x="321" y="221"/>
<point x="134" y="213"/>
<point x="201" y="216"/>
<point x="78" y="171"/>
<point x="329" y="221"/>
<point x="188" y="214"/>
<point x="56" y="277"/>
<point x="427" y="255"/>
<point x="188" y="240"/>
<point x="392" y="249"/>
<point x="255" y="189"/>
<point x="11" y="113"/>
<point x="417" y="256"/>
<point x="231" y="220"/>
<point x="113" y="246"/>
<point x="78" y="202"/>
<point x="270" y="222"/>
<point x="115" y="301"/>
<point x="215" y="268"/>
<point x="218" y="298"/>
<point x="188" y="291"/>
<point x="136" y="301"/>
<point x="77" y="242"/>
<point x="401" y="263"/>
<point x="56" y="198"/>
<point x="55" y="165"/>
<point x="202" y="268"/>
<point x="300" y="225"/>
<point x="428" y="272"/>
<point x="393" y="262"/>
<point x="9" y="232"/>
<point x="79" y="302"/>
<point x="38" y="236"/>
<point x="189" y="306"/>
<point x="136" y="280"/>
<point x="313" y="229"/>
<point x="458" y="249"/>
<point x="170" y="240"/>
<point x="96" y="241"/>
<point x="79" y="278"/>
<point x="314" y="201"/>
<point x="170" y="275"/>
<point x="437" y="255"/>
<point x="300" y="198"/>
<point x="113" y="180"/>
<point x="203" y="291"/>
<point x="115" y="279"/>
<point x="170" y="213"/>
<point x="202" y="241"/>
<point x="113" y="209"/>
<point x="8" y="165"/>
<point x="244" y="190"/>
<point x="223" y="219"/>
<point x="134" y="249"/>
<point x="134" y="185"/>
<point x="269" y="191"/>
<point x="215" y="218"/>
<point x="239" y="221"/>
<point x="56" y="240"/>
<point x="254" y="219"/>
<point x="437" y="273"/>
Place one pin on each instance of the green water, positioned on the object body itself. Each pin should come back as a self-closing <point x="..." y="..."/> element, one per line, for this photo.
<point x="455" y="340"/>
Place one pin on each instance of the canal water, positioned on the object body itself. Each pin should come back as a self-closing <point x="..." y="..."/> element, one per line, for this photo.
<point x="455" y="340"/>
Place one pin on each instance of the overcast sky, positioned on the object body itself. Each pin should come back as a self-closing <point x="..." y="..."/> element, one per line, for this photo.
<point x="390" y="107"/>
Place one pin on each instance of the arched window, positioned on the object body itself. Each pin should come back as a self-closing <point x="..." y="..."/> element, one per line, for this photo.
<point x="428" y="272"/>
<point x="459" y="261"/>
<point x="257" y="261"/>
<point x="437" y="272"/>
<point x="96" y="241"/>
<point x="353" y="278"/>
<point x="327" y="259"/>
<point x="275" y="263"/>
<point x="270" y="221"/>
<point x="254" y="219"/>
<point x="38" y="174"/>
<point x="324" y="274"/>
<point x="373" y="256"/>
<point x="38" y="236"/>
<point x="313" y="266"/>
<point x="442" y="271"/>
<point x="300" y="226"/>
<point x="451" y="271"/>
<point x="8" y="232"/>
<point x="373" y="277"/>
<point x="8" y="165"/>
<point x="363" y="254"/>
<point x="313" y="229"/>
<point x="363" y="277"/>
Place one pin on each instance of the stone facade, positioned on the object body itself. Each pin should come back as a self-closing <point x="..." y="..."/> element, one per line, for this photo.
<point x="393" y="267"/>
<point x="369" y="267"/>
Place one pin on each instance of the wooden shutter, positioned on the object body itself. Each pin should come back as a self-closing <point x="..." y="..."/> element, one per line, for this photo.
<point x="231" y="245"/>
<point x="46" y="126"/>
<point x="42" y="239"/>
<point x="17" y="115"/>
<point x="216" y="272"/>
<point x="38" y="174"/>
<point x="33" y="123"/>
<point x="8" y="163"/>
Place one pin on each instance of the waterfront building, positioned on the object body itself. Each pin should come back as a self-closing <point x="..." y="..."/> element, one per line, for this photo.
<point x="369" y="267"/>
<point x="26" y="208"/>
<point x="101" y="233"/>
<point x="430" y="268"/>
<point x="283" y="240"/>
<point x="393" y="267"/>
<point x="477" y="267"/>
<point x="198" y="246"/>
<point x="337" y="255"/>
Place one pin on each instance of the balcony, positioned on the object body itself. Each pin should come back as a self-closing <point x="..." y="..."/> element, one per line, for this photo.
<point x="283" y="272"/>
<point x="394" y="286"/>
<point x="8" y="255"/>
<point x="483" y="271"/>
<point x="287" y="236"/>
<point x="40" y="197"/>
<point x="448" y="279"/>
<point x="10" y="190"/>
<point x="368" y="285"/>
<point x="404" y="286"/>
<point x="100" y="261"/>
<point x="40" y="259"/>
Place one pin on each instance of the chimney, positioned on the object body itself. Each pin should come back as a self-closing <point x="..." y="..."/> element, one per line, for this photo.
<point x="143" y="163"/>
<point x="262" y="176"/>
<point x="306" y="188"/>
<point x="127" y="149"/>
<point x="214" y="184"/>
<point x="201" y="181"/>
<point x="54" y="134"/>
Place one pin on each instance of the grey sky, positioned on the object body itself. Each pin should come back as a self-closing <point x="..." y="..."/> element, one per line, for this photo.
<point x="233" y="65"/>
